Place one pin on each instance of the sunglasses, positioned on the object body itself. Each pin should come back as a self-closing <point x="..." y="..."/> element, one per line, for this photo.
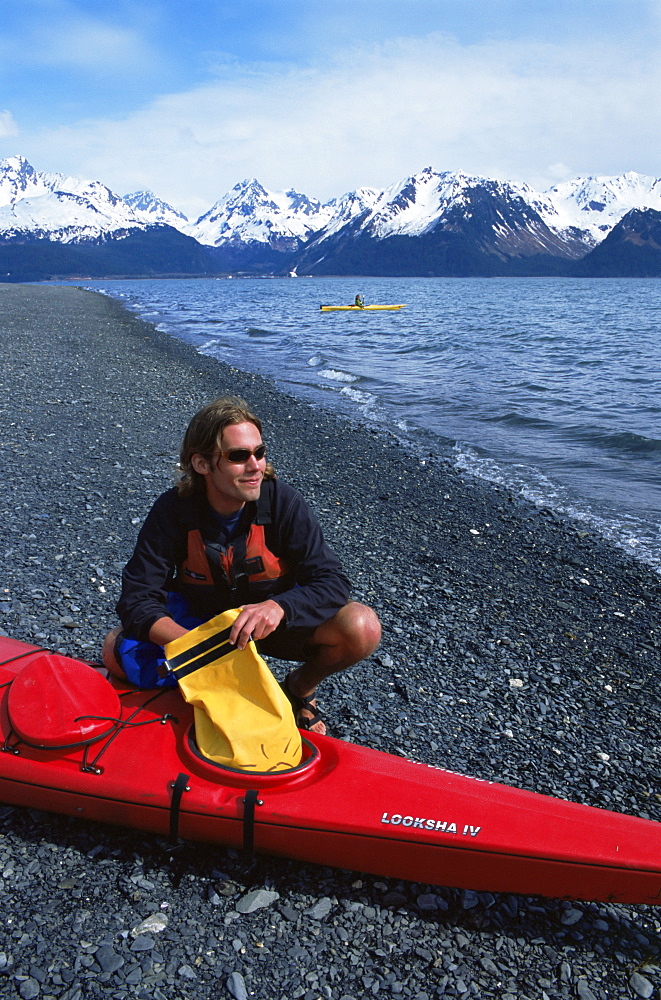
<point x="239" y="456"/>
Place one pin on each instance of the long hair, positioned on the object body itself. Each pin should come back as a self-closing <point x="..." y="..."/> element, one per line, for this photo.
<point x="203" y="436"/>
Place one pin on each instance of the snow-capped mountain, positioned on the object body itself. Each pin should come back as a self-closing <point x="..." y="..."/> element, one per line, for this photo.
<point x="54" y="226"/>
<point x="456" y="223"/>
<point x="430" y="223"/>
<point x="350" y="207"/>
<point x="416" y="205"/>
<point x="59" y="208"/>
<point x="591" y="205"/>
<point x="250" y="214"/>
<point x="444" y="223"/>
<point x="596" y="204"/>
<point x="153" y="211"/>
<point x="631" y="249"/>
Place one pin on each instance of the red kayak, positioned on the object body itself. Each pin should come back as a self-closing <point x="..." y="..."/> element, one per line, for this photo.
<point x="74" y="743"/>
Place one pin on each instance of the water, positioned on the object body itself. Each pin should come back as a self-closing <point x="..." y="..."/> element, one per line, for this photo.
<point x="551" y="386"/>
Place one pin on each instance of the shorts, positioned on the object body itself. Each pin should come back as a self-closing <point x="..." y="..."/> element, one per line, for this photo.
<point x="287" y="643"/>
<point x="143" y="661"/>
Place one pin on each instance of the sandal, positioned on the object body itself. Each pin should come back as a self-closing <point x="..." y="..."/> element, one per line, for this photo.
<point x="299" y="704"/>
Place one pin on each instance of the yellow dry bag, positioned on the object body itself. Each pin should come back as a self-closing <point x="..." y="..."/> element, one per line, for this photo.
<point x="243" y="719"/>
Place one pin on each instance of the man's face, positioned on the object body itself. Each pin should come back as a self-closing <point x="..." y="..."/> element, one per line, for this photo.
<point x="230" y="484"/>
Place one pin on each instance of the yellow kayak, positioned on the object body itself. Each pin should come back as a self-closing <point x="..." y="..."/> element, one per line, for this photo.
<point x="357" y="308"/>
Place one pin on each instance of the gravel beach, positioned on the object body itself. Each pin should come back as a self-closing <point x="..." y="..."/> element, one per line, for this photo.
<point x="517" y="647"/>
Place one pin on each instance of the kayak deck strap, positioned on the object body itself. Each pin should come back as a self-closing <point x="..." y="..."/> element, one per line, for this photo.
<point x="179" y="786"/>
<point x="250" y="800"/>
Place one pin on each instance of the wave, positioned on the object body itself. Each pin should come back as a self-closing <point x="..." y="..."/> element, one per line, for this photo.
<point x="621" y="443"/>
<point x="202" y="321"/>
<point x="514" y="419"/>
<point x="367" y="403"/>
<point x="333" y="375"/>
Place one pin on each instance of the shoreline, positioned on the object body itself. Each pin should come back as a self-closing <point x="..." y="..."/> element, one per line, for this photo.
<point x="517" y="646"/>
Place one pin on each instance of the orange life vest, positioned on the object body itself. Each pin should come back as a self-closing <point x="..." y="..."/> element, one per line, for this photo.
<point x="243" y="561"/>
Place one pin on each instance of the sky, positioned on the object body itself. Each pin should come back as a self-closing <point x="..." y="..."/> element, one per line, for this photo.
<point x="187" y="98"/>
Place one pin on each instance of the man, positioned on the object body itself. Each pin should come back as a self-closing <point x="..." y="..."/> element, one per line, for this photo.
<point x="230" y="535"/>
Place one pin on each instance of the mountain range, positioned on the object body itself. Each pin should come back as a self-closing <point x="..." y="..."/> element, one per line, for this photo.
<point x="430" y="224"/>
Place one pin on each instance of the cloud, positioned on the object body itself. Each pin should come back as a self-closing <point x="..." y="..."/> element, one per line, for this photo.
<point x="57" y="35"/>
<point x="8" y="127"/>
<point x="88" y="44"/>
<point x="376" y="114"/>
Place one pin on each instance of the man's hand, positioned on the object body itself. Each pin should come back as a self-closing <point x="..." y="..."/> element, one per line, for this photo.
<point x="256" y="621"/>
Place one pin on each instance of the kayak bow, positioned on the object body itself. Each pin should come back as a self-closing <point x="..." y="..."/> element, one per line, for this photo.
<point x="76" y="744"/>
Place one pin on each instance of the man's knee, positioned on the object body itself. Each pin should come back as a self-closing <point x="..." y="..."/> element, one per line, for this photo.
<point x="359" y="629"/>
<point x="367" y="626"/>
<point x="109" y="653"/>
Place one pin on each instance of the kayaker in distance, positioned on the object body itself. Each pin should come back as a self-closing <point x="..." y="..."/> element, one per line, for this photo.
<point x="359" y="301"/>
<point x="231" y="534"/>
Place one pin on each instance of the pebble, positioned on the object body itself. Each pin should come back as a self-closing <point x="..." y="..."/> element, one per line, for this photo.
<point x="469" y="899"/>
<point x="641" y="986"/>
<point x="153" y="924"/>
<point x="29" y="989"/>
<point x="108" y="959"/>
<point x="256" y="900"/>
<point x="213" y="897"/>
<point x="426" y="902"/>
<point x="584" y="991"/>
<point x="237" y="986"/>
<point x="571" y="916"/>
<point x="143" y="942"/>
<point x="320" y="909"/>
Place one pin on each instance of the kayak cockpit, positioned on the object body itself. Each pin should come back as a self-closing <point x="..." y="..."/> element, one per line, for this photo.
<point x="215" y="772"/>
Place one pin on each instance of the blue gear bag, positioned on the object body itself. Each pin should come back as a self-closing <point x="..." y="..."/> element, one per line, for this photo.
<point x="142" y="660"/>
